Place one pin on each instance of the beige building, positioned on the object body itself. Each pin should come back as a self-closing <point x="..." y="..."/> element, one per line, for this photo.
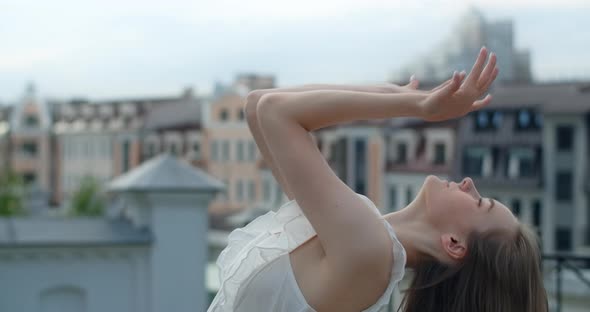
<point x="231" y="150"/>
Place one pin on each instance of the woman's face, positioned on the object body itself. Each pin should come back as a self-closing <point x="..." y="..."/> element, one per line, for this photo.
<point x="459" y="208"/>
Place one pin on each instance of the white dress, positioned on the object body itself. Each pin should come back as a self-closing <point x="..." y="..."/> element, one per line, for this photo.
<point x="255" y="269"/>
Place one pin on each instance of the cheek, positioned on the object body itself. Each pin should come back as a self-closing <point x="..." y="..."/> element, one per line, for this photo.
<point x="451" y="209"/>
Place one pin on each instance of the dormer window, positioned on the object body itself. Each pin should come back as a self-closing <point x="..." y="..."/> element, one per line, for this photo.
<point x="488" y="120"/>
<point x="527" y="119"/>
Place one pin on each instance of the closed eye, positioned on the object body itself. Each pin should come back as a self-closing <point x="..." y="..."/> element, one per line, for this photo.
<point x="492" y="202"/>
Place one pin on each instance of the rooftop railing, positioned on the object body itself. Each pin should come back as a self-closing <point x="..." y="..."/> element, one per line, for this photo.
<point x="567" y="263"/>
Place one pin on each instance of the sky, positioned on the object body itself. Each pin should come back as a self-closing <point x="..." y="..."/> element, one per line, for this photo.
<point x="112" y="49"/>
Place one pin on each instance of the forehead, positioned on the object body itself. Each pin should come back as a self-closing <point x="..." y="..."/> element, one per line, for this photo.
<point x="504" y="216"/>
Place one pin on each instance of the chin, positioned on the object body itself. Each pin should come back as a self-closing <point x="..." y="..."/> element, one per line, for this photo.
<point x="431" y="189"/>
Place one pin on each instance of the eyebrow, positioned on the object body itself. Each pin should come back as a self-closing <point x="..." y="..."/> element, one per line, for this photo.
<point x="492" y="201"/>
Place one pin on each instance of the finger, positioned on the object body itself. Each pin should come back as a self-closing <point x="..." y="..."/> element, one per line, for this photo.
<point x="442" y="85"/>
<point x="487" y="72"/>
<point x="491" y="80"/>
<point x="413" y="84"/>
<point x="451" y="87"/>
<point x="462" y="75"/>
<point x="477" y="66"/>
<point x="479" y="104"/>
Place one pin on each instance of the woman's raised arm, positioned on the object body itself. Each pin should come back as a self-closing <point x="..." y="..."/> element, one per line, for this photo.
<point x="351" y="234"/>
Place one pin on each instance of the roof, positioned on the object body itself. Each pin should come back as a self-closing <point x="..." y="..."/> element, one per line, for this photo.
<point x="79" y="231"/>
<point x="166" y="173"/>
<point x="174" y="114"/>
<point x="548" y="97"/>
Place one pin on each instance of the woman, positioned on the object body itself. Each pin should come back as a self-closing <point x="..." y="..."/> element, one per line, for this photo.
<point x="329" y="248"/>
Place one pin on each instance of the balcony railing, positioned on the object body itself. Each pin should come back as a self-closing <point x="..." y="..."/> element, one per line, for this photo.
<point x="563" y="264"/>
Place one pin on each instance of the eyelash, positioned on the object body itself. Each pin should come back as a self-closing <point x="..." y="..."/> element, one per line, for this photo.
<point x="479" y="202"/>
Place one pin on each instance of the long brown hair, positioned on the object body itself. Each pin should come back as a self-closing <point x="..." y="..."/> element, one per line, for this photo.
<point x="500" y="272"/>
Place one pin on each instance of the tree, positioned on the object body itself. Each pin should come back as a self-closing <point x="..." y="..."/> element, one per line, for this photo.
<point x="11" y="193"/>
<point x="88" y="199"/>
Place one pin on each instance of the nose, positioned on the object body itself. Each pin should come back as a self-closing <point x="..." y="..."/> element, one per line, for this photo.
<point x="468" y="185"/>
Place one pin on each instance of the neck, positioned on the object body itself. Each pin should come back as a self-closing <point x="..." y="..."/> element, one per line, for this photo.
<point x="414" y="233"/>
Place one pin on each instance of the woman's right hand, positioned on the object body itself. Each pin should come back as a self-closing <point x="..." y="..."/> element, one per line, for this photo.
<point x="458" y="97"/>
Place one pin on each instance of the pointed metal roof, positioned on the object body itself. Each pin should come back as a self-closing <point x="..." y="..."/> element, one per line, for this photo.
<point x="165" y="173"/>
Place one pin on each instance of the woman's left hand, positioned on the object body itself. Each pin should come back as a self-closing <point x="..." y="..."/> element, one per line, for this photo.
<point x="457" y="98"/>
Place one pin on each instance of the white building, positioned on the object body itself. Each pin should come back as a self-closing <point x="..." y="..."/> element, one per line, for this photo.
<point x="150" y="254"/>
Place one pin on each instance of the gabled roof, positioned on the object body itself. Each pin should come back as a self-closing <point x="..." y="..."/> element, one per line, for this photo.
<point x="166" y="173"/>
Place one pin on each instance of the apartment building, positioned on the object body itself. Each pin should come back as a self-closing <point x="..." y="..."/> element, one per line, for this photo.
<point x="529" y="150"/>
<point x="26" y="145"/>
<point x="232" y="152"/>
<point x="415" y="149"/>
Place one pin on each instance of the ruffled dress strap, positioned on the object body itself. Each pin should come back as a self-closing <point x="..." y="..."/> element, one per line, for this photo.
<point x="397" y="271"/>
<point x="259" y="242"/>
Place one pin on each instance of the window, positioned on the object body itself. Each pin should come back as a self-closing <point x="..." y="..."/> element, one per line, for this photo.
<point x="29" y="149"/>
<point x="197" y="149"/>
<point x="482" y="120"/>
<point x="516" y="207"/>
<point x="174" y="149"/>
<point x="439" y="154"/>
<point x="224" y="194"/>
<point x="538" y="120"/>
<point x="151" y="150"/>
<point x="563" y="186"/>
<point x="31" y="121"/>
<point x="409" y="195"/>
<point x="497" y="119"/>
<point x="392" y="198"/>
<point x="527" y="119"/>
<point x="527" y="166"/>
<point x="537" y="213"/>
<point x="360" y="166"/>
<point x="563" y="239"/>
<point x="251" y="151"/>
<point x="565" y="138"/>
<point x="240" y="189"/>
<point x="29" y="177"/>
<point x="240" y="147"/>
<point x="215" y="150"/>
<point x="521" y="162"/>
<point x="223" y="114"/>
<point x="402" y="151"/>
<point x="473" y="161"/>
<point x="251" y="190"/>
<point x="226" y="150"/>
<point x="488" y="120"/>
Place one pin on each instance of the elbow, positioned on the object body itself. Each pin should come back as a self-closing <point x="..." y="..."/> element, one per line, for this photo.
<point x="269" y="103"/>
<point x="251" y="102"/>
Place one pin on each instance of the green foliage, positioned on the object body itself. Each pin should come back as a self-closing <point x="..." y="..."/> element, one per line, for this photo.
<point x="11" y="193"/>
<point x="88" y="199"/>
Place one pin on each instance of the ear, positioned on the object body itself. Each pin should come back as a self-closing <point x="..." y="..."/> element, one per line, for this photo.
<point x="454" y="246"/>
